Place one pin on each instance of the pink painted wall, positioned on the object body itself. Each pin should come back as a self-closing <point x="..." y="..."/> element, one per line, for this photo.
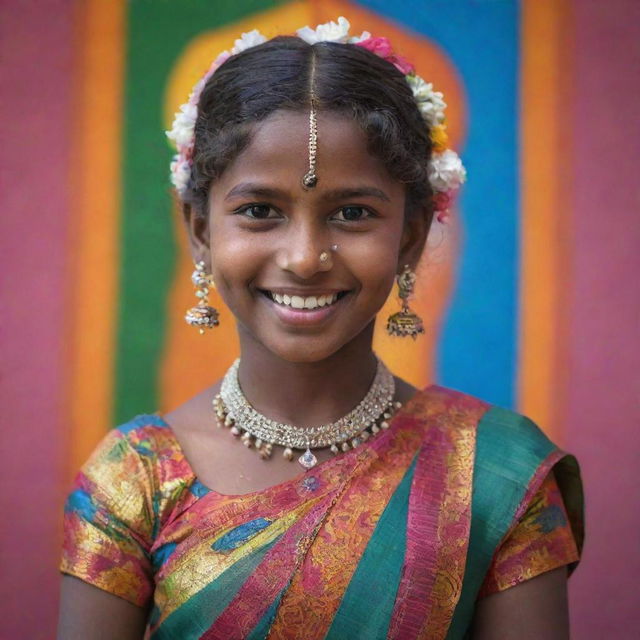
<point x="36" y="49"/>
<point x="602" y="416"/>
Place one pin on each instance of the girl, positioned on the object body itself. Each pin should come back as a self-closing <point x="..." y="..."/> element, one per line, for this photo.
<point x="332" y="500"/>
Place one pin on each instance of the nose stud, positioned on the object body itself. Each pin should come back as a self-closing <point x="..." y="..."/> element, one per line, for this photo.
<point x="324" y="256"/>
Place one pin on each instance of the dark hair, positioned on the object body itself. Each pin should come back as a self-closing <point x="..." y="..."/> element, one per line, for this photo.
<point x="347" y="79"/>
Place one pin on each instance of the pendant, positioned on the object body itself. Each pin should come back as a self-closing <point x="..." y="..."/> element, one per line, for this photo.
<point x="307" y="459"/>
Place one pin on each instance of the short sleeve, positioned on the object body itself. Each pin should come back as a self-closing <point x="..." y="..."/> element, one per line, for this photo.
<point x="108" y="522"/>
<point x="542" y="540"/>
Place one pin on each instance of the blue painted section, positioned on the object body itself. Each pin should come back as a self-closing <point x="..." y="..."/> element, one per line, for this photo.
<point x="162" y="554"/>
<point x="143" y="420"/>
<point x="80" y="502"/>
<point x="238" y="536"/>
<point x="198" y="489"/>
<point x="478" y="349"/>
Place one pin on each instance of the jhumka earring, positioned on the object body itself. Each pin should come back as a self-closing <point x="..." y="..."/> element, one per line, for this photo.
<point x="405" y="322"/>
<point x="202" y="316"/>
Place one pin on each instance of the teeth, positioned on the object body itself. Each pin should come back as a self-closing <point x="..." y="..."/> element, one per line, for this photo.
<point x="308" y="302"/>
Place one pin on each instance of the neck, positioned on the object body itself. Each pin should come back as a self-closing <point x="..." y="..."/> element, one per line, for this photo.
<point x="307" y="394"/>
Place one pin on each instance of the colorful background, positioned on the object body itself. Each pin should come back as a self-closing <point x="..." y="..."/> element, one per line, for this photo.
<point x="529" y="298"/>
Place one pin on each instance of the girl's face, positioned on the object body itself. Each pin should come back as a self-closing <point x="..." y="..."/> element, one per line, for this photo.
<point x="266" y="235"/>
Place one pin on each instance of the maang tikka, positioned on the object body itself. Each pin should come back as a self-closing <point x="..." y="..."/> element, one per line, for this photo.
<point x="202" y="316"/>
<point x="405" y="322"/>
<point x="310" y="178"/>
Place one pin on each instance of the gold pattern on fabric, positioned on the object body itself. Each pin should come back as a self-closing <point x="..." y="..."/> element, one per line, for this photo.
<point x="139" y="525"/>
<point x="450" y="421"/>
<point x="198" y="564"/>
<point x="541" y="541"/>
<point x="348" y="526"/>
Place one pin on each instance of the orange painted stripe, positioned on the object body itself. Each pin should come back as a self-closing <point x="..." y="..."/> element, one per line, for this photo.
<point x="95" y="226"/>
<point x="540" y="290"/>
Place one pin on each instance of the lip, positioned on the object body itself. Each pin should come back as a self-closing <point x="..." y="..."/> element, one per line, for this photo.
<point x="304" y="293"/>
<point x="303" y="317"/>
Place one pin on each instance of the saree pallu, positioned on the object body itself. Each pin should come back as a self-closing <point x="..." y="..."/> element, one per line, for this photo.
<point x="395" y="539"/>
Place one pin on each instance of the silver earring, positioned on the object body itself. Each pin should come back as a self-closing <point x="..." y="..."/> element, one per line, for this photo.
<point x="202" y="316"/>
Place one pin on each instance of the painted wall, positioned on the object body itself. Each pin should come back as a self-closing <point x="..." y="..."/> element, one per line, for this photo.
<point x="558" y="301"/>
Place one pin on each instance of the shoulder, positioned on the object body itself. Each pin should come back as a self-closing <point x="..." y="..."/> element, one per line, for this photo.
<point x="136" y="470"/>
<point x="144" y="446"/>
<point x="499" y="432"/>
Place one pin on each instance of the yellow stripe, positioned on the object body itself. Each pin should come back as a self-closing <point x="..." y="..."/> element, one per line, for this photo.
<point x="542" y="23"/>
<point x="96" y="193"/>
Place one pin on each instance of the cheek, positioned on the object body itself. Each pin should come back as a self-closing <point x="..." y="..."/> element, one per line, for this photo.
<point x="235" y="257"/>
<point x="375" y="261"/>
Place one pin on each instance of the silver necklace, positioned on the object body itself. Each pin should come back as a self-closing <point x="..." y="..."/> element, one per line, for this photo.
<point x="256" y="430"/>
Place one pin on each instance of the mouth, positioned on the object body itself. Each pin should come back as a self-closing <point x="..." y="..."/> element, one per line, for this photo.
<point x="303" y="310"/>
<point x="304" y="303"/>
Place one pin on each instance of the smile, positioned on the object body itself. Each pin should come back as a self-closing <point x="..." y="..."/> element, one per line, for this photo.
<point x="304" y="302"/>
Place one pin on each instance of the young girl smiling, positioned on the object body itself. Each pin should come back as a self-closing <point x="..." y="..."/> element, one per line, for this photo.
<point x="332" y="500"/>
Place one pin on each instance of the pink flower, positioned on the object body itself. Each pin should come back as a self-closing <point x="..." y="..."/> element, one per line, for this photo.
<point x="383" y="49"/>
<point x="380" y="46"/>
<point x="442" y="201"/>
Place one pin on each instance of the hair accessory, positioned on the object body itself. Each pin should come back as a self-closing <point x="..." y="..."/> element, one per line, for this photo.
<point x="202" y="316"/>
<point x="405" y="322"/>
<point x="370" y="417"/>
<point x="310" y="179"/>
<point x="446" y="172"/>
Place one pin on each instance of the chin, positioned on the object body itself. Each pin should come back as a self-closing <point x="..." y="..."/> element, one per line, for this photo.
<point x="304" y="350"/>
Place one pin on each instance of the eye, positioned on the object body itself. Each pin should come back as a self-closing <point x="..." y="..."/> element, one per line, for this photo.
<point x="352" y="214"/>
<point x="258" y="211"/>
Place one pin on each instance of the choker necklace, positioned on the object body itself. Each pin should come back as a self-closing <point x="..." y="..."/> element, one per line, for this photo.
<point x="256" y="430"/>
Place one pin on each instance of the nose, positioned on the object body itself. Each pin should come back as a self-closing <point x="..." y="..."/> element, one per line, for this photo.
<point x="305" y="250"/>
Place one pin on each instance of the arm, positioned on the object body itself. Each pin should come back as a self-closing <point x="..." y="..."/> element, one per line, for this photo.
<point x="89" y="612"/>
<point x="534" y="609"/>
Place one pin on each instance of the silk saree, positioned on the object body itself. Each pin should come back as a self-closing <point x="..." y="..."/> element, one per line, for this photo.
<point x="395" y="539"/>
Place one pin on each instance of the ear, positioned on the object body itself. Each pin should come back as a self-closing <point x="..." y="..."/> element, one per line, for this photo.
<point x="198" y="234"/>
<point x="414" y="237"/>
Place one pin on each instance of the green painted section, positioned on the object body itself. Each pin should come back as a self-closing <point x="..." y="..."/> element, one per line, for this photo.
<point x="367" y="605"/>
<point x="157" y="33"/>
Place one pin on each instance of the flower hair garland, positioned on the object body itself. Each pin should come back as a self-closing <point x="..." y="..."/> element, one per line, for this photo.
<point x="445" y="171"/>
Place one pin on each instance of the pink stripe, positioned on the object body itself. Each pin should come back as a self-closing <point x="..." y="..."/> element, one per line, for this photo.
<point x="602" y="361"/>
<point x="419" y="571"/>
<point x="273" y="574"/>
<point x="36" y="110"/>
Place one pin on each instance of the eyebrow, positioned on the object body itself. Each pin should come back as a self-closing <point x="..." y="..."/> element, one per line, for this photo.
<point x="252" y="189"/>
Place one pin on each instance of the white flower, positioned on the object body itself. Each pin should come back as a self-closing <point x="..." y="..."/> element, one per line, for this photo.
<point x="247" y="40"/>
<point x="446" y="171"/>
<point x="328" y="32"/>
<point x="365" y="35"/>
<point x="180" y="173"/>
<point x="183" y="125"/>
<point x="430" y="102"/>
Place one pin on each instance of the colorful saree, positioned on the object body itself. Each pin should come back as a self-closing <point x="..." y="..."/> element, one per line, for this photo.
<point x="395" y="539"/>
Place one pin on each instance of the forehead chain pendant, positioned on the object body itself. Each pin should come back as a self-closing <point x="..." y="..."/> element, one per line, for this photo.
<point x="310" y="178"/>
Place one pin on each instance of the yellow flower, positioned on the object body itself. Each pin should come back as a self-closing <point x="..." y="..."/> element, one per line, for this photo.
<point x="439" y="137"/>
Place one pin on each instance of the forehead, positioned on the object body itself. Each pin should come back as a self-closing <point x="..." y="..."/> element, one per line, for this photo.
<point x="279" y="151"/>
